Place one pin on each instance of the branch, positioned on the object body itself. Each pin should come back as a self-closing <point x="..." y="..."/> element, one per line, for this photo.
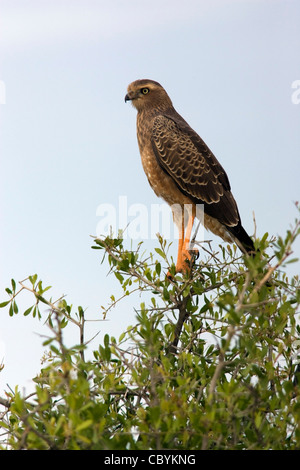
<point x="183" y="315"/>
<point x="5" y="402"/>
<point x="134" y="273"/>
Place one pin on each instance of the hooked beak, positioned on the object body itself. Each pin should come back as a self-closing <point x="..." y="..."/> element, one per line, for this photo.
<point x="127" y="98"/>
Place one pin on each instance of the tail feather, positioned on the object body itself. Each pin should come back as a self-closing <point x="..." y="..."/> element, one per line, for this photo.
<point x="242" y="239"/>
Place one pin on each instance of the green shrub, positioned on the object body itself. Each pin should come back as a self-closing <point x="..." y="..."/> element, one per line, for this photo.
<point x="211" y="362"/>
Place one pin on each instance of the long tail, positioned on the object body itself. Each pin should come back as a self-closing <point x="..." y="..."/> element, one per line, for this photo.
<point x="242" y="239"/>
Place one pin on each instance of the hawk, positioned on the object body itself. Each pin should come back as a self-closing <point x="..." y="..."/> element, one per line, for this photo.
<point x="183" y="171"/>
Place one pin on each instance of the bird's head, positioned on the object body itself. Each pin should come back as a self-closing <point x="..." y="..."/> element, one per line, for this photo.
<point x="147" y="94"/>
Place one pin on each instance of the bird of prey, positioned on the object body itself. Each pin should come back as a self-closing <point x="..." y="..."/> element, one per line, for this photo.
<point x="183" y="171"/>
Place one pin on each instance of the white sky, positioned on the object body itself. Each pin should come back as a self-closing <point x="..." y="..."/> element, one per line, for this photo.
<point x="68" y="140"/>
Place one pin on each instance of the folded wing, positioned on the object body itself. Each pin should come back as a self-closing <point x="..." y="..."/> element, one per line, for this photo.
<point x="196" y="171"/>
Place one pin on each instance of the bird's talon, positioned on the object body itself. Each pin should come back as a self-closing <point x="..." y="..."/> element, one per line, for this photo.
<point x="194" y="254"/>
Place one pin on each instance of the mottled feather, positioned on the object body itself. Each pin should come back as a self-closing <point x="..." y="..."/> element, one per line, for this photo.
<point x="194" y="168"/>
<point x="179" y="165"/>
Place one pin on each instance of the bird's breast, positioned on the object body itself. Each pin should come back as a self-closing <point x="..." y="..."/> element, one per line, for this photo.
<point x="161" y="182"/>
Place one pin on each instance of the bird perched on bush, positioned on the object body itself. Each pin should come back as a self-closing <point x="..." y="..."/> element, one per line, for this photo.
<point x="183" y="171"/>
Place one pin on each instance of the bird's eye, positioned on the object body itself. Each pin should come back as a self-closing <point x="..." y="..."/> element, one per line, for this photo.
<point x="145" y="91"/>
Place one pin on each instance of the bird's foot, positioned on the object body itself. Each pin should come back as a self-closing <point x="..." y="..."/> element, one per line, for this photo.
<point x="194" y="254"/>
<point x="185" y="262"/>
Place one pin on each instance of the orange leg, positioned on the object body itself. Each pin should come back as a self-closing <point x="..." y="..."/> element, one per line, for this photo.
<point x="179" y="252"/>
<point x="184" y="256"/>
<point x="180" y="247"/>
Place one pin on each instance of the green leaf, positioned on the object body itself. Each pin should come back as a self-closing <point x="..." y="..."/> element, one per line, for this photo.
<point x="106" y="340"/>
<point x="13" y="283"/>
<point x="64" y="322"/>
<point x="33" y="279"/>
<point x="41" y="299"/>
<point x="160" y="252"/>
<point x="293" y="260"/>
<point x="166" y="294"/>
<point x="158" y="268"/>
<point x="11" y="310"/>
<point x="27" y="312"/>
<point x="121" y="337"/>
<point x="119" y="276"/>
<point x="86" y="424"/>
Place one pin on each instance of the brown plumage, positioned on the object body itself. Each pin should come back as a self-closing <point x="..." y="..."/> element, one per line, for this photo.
<point x="182" y="170"/>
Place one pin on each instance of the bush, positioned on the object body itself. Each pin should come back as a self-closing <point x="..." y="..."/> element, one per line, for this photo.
<point x="211" y="363"/>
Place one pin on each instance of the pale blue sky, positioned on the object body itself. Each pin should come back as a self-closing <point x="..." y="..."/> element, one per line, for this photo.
<point x="68" y="140"/>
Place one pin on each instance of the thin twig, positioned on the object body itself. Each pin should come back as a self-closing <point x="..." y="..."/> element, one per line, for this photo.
<point x="183" y="314"/>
